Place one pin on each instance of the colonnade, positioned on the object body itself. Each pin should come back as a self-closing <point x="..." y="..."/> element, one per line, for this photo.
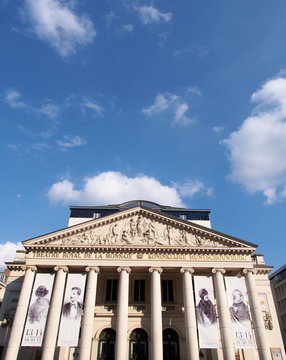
<point x="50" y="337"/>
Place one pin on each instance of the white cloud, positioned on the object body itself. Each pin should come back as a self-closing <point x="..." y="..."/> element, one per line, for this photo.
<point x="125" y="28"/>
<point x="71" y="141"/>
<point x="257" y="150"/>
<point x="8" y="252"/>
<point x="172" y="103"/>
<point x="49" y="110"/>
<point x="12" y="98"/>
<point x="149" y="14"/>
<point x="114" y="187"/>
<point x="54" y="22"/>
<point x="90" y="104"/>
<point x="161" y="103"/>
<point x="217" y="129"/>
<point x="190" y="188"/>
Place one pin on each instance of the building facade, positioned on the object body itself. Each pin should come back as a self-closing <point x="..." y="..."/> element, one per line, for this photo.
<point x="278" y="285"/>
<point x="139" y="281"/>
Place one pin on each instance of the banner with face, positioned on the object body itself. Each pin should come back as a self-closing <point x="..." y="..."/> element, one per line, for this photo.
<point x="38" y="310"/>
<point x="206" y="313"/>
<point x="239" y="312"/>
<point x="72" y="310"/>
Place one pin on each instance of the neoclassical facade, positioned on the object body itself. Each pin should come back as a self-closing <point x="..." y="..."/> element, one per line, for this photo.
<point x="139" y="281"/>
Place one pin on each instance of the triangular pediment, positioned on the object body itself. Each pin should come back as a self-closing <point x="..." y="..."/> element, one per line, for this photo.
<point x="138" y="227"/>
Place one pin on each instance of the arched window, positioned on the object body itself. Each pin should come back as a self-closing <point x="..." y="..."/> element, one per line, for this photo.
<point x="171" y="350"/>
<point x="106" y="345"/>
<point x="138" y="345"/>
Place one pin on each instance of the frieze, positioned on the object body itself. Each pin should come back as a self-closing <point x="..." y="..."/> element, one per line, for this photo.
<point x="138" y="256"/>
<point x="139" y="231"/>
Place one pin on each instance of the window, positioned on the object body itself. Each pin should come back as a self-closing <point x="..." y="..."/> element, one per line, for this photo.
<point x="106" y="345"/>
<point x="96" y="215"/>
<point x="183" y="216"/>
<point x="138" y="345"/>
<point x="139" y="290"/>
<point x="111" y="290"/>
<point x="171" y="350"/>
<point x="167" y="291"/>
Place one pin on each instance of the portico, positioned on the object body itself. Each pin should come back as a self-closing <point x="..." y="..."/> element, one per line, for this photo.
<point x="140" y="294"/>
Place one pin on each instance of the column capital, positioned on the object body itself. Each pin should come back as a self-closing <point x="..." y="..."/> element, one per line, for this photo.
<point x="214" y="271"/>
<point x="246" y="271"/>
<point x="90" y="268"/>
<point x="190" y="270"/>
<point x="122" y="268"/>
<point x="31" y="267"/>
<point x="64" y="268"/>
<point x="159" y="269"/>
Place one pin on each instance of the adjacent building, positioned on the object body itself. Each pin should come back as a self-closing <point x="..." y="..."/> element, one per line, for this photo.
<point x="139" y="280"/>
<point x="278" y="285"/>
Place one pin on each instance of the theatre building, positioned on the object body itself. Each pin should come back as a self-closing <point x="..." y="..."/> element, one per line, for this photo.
<point x="139" y="280"/>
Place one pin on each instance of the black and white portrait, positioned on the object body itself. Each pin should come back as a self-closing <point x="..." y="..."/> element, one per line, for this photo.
<point x="206" y="313"/>
<point x="73" y="308"/>
<point x="39" y="309"/>
<point x="239" y="310"/>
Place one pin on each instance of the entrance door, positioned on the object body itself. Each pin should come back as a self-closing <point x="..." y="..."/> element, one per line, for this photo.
<point x="138" y="345"/>
<point x="106" y="345"/>
<point x="171" y="350"/>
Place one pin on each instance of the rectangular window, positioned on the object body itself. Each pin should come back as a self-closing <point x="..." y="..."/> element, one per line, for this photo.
<point x="96" y="215"/>
<point x="139" y="290"/>
<point x="167" y="291"/>
<point x="183" y="216"/>
<point x="111" y="290"/>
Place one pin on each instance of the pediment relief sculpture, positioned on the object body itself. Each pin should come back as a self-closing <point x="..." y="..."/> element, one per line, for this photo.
<point x="141" y="231"/>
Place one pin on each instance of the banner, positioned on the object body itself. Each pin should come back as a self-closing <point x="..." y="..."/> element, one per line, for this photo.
<point x="239" y="312"/>
<point x="38" y="310"/>
<point x="72" y="310"/>
<point x="206" y="313"/>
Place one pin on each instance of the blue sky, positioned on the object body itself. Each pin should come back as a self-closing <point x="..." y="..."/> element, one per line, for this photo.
<point x="178" y="102"/>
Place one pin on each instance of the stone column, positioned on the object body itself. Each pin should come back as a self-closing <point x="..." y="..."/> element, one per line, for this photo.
<point x="224" y="316"/>
<point x="52" y="326"/>
<point x="190" y="315"/>
<point x="88" y="314"/>
<point x="20" y="315"/>
<point x="156" y="315"/>
<point x="258" y="323"/>
<point x="122" y="314"/>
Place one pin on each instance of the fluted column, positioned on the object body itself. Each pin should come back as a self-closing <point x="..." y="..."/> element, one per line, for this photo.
<point x="190" y="315"/>
<point x="258" y="323"/>
<point x="122" y="314"/>
<point x="51" y="332"/>
<point x="224" y="316"/>
<point x="88" y="314"/>
<point x="20" y="315"/>
<point x="156" y="315"/>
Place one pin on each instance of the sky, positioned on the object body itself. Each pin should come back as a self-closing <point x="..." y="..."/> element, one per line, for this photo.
<point x="178" y="102"/>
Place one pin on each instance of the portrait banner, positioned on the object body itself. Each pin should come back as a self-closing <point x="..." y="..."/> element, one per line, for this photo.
<point x="206" y="313"/>
<point x="72" y="310"/>
<point x="239" y="312"/>
<point x="38" y="310"/>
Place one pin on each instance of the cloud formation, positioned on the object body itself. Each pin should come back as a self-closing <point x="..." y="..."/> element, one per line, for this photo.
<point x="149" y="14"/>
<point x="114" y="187"/>
<point x="56" y="23"/>
<point x="12" y="98"/>
<point x="8" y="252"/>
<point x="92" y="105"/>
<point x="71" y="141"/>
<point x="174" y="104"/>
<point x="257" y="150"/>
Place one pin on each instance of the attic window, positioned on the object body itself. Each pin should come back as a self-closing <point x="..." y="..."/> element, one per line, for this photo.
<point x="96" y="215"/>
<point x="183" y="216"/>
